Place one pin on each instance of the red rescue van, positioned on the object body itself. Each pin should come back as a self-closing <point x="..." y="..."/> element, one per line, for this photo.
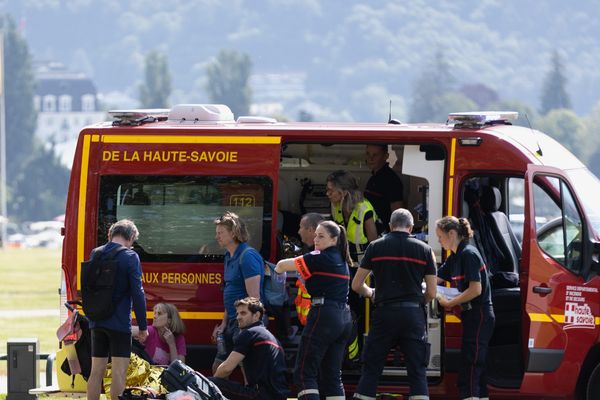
<point x="174" y="171"/>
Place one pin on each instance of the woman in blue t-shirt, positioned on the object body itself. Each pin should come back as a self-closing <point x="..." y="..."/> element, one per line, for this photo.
<point x="243" y="276"/>
<point x="329" y="323"/>
<point x="468" y="273"/>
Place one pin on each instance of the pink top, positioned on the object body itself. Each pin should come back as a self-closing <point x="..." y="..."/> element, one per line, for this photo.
<point x="158" y="349"/>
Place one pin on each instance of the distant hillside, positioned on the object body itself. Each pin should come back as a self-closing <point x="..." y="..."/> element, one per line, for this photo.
<point x="355" y="55"/>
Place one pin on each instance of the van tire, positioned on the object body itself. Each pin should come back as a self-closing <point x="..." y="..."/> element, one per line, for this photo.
<point x="592" y="390"/>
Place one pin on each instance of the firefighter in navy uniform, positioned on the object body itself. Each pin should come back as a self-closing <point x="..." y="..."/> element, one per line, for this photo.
<point x="467" y="271"/>
<point x="260" y="355"/>
<point x="400" y="263"/>
<point x="329" y="324"/>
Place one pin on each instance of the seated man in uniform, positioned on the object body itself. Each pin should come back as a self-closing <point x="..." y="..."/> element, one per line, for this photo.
<point x="264" y="362"/>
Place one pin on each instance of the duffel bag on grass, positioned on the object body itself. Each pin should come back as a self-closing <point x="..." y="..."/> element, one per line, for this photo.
<point x="179" y="376"/>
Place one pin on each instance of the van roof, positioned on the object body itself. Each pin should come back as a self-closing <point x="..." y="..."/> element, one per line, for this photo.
<point x="529" y="140"/>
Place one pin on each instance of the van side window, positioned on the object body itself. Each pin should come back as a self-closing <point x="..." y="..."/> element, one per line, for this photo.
<point x="559" y="227"/>
<point x="175" y="214"/>
<point x="516" y="203"/>
<point x="486" y="199"/>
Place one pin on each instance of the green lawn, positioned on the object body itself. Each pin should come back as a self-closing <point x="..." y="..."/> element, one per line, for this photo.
<point x="29" y="280"/>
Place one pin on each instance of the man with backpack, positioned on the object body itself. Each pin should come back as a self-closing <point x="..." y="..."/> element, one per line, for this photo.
<point x="110" y="282"/>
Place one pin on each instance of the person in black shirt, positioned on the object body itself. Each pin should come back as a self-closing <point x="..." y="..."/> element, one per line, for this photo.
<point x="329" y="323"/>
<point x="399" y="263"/>
<point x="263" y="357"/>
<point x="384" y="188"/>
<point x="468" y="273"/>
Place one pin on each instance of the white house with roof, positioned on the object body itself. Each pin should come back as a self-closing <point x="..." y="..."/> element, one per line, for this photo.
<point x="66" y="102"/>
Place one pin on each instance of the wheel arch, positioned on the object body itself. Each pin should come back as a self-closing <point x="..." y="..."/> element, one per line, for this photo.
<point x="591" y="361"/>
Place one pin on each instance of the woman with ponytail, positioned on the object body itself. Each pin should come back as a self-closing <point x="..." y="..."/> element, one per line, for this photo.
<point x="329" y="323"/>
<point x="468" y="273"/>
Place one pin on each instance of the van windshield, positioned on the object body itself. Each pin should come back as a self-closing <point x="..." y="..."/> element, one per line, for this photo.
<point x="587" y="187"/>
<point x="175" y="214"/>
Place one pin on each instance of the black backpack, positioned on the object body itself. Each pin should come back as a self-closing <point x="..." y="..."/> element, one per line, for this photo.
<point x="178" y="376"/>
<point x="97" y="283"/>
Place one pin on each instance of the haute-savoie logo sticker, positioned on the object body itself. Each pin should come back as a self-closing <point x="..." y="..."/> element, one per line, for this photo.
<point x="578" y="313"/>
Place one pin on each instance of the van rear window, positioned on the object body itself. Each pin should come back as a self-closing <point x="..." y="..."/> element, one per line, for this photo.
<point x="175" y="214"/>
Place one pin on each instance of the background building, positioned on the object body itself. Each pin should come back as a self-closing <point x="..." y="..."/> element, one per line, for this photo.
<point x="65" y="101"/>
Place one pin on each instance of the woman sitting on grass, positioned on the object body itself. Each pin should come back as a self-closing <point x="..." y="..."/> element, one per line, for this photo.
<point x="165" y="342"/>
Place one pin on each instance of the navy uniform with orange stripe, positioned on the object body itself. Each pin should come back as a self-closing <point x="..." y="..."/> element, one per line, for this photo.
<point x="462" y="267"/>
<point x="328" y="327"/>
<point x="399" y="263"/>
<point x="264" y="365"/>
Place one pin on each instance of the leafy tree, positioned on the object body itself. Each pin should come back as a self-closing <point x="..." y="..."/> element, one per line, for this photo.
<point x="554" y="94"/>
<point x="528" y="116"/>
<point x="41" y="186"/>
<point x="280" y="117"/>
<point x="481" y="94"/>
<point x="451" y="102"/>
<point x="592" y="123"/>
<point x="156" y="89"/>
<point x="435" y="81"/>
<point x="568" y="129"/>
<point x="19" y="86"/>
<point x="305" y="116"/>
<point x="37" y="181"/>
<point x="228" y="84"/>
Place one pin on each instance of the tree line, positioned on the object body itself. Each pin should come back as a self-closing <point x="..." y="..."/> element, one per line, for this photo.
<point x="435" y="94"/>
<point x="38" y="183"/>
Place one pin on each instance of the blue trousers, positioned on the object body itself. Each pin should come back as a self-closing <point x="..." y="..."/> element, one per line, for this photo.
<point x="396" y="325"/>
<point x="321" y="352"/>
<point x="478" y="327"/>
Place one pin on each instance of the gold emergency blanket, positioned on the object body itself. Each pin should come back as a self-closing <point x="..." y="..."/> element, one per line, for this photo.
<point x="139" y="373"/>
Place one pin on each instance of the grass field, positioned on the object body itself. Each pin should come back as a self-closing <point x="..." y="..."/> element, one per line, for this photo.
<point x="29" y="281"/>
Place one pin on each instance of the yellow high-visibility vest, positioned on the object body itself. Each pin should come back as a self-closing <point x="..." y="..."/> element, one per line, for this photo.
<point x="355" y="229"/>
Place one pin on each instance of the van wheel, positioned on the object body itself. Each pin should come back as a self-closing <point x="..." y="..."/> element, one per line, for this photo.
<point x="592" y="391"/>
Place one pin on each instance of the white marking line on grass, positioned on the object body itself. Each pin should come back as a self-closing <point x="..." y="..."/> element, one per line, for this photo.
<point x="29" y="313"/>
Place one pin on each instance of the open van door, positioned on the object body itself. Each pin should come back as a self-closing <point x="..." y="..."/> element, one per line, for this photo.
<point x="560" y="307"/>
